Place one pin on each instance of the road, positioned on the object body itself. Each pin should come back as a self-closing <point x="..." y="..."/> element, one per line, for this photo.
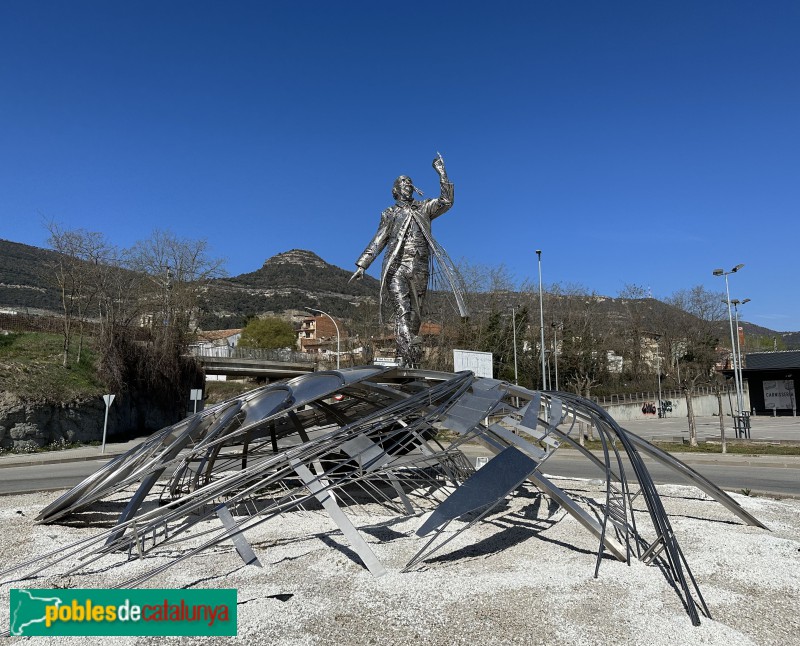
<point x="733" y="475"/>
<point x="46" y="477"/>
<point x="780" y="476"/>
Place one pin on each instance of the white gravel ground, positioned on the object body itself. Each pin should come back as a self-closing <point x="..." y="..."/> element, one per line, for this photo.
<point x="522" y="576"/>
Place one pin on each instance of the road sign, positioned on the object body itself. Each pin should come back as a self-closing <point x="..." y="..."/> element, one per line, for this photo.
<point x="196" y="395"/>
<point x="108" y="399"/>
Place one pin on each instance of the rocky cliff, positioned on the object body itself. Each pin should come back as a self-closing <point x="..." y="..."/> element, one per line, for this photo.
<point x="26" y="425"/>
<point x="291" y="280"/>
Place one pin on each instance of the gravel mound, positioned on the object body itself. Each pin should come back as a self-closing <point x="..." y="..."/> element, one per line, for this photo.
<point x="523" y="575"/>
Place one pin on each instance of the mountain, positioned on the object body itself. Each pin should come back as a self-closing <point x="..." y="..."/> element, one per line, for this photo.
<point x="791" y="339"/>
<point x="291" y="280"/>
<point x="25" y="278"/>
<point x="294" y="280"/>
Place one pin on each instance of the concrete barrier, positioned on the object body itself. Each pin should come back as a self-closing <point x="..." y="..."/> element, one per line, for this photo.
<point x="703" y="406"/>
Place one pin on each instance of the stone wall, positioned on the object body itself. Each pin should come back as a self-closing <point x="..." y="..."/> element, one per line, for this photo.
<point x="25" y="425"/>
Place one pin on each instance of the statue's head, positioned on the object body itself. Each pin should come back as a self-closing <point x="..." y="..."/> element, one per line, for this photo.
<point x="403" y="188"/>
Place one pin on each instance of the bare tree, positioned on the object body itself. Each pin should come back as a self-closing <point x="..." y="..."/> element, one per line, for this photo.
<point x="177" y="270"/>
<point x="77" y="271"/>
<point x="693" y="340"/>
<point x="700" y="302"/>
<point x="634" y="332"/>
<point x="490" y="294"/>
<point x="718" y="393"/>
<point x="582" y="349"/>
<point x="698" y="367"/>
<point x="364" y="330"/>
<point x="148" y="305"/>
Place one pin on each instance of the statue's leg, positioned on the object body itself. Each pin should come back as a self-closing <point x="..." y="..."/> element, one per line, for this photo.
<point x="400" y="294"/>
<point x="419" y="286"/>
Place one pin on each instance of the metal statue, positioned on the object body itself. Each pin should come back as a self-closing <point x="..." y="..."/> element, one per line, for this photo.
<point x="405" y="232"/>
<point x="362" y="442"/>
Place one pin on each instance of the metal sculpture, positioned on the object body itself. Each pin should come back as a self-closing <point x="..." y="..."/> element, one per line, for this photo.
<point x="340" y="439"/>
<point x="405" y="232"/>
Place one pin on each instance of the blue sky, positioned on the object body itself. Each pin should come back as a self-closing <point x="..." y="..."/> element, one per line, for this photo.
<point x="641" y="143"/>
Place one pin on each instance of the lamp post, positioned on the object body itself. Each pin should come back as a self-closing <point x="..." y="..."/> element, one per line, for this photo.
<point x="661" y="412"/>
<point x="722" y="272"/>
<point x="736" y="302"/>
<point x="541" y="320"/>
<point x="514" y="327"/>
<point x="311" y="309"/>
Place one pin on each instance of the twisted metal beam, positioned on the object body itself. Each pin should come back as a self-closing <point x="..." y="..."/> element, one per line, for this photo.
<point x="343" y="439"/>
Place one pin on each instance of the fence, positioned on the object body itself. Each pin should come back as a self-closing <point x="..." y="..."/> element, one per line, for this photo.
<point x="224" y="351"/>
<point x="641" y="398"/>
<point x="31" y="323"/>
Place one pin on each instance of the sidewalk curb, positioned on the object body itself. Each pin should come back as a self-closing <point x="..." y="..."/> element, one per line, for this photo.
<point x="779" y="461"/>
<point x="727" y="459"/>
<point x="782" y="463"/>
<point x="39" y="461"/>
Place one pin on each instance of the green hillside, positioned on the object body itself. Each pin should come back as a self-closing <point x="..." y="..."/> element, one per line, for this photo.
<point x="30" y="367"/>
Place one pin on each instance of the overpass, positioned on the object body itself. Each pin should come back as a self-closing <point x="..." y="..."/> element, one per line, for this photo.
<point x="253" y="362"/>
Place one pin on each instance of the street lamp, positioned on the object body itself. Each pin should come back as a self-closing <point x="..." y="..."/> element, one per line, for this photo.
<point x="722" y="272"/>
<point x="658" y="373"/>
<point x="660" y="406"/>
<point x="736" y="302"/>
<point x="514" y="326"/>
<point x="311" y="309"/>
<point x="541" y="320"/>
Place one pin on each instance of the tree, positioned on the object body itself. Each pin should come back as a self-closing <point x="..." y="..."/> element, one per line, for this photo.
<point x="269" y="333"/>
<point x="158" y="280"/>
<point x="582" y="346"/>
<point x="177" y="271"/>
<point x="635" y="299"/>
<point x="718" y="392"/>
<point x="704" y="310"/>
<point x="364" y="328"/>
<point x="697" y="368"/>
<point x="488" y="294"/>
<point x="700" y="302"/>
<point x="77" y="272"/>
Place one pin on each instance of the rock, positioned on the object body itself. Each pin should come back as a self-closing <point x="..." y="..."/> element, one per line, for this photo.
<point x="24" y="426"/>
<point x="24" y="432"/>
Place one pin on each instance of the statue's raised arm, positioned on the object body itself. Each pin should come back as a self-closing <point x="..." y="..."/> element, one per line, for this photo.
<point x="438" y="166"/>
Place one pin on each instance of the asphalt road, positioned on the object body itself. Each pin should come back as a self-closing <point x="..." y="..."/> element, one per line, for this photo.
<point x="46" y="477"/>
<point x="733" y="473"/>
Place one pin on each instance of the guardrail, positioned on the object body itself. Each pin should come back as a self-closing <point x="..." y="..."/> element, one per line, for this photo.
<point x="227" y="352"/>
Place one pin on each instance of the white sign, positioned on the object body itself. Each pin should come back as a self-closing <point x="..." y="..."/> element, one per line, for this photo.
<point x="386" y="361"/>
<point x="196" y="394"/>
<point x="108" y="399"/>
<point x="478" y="362"/>
<point x="779" y="393"/>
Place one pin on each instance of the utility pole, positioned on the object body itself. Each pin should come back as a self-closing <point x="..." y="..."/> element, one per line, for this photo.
<point x="541" y="321"/>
